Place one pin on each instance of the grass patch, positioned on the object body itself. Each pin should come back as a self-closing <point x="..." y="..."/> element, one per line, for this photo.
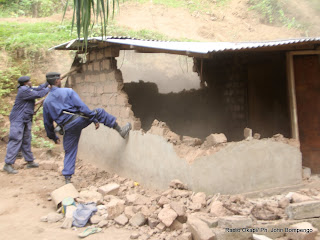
<point x="33" y="36"/>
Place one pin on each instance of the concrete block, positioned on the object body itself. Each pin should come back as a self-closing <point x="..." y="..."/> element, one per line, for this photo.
<point x="121" y="220"/>
<point x="61" y="193"/>
<point x="303" y="210"/>
<point x="200" y="198"/>
<point x="78" y="79"/>
<point x="138" y="220"/>
<point x="110" y="87"/>
<point x="90" y="67"/>
<point x="99" y="90"/>
<point x="115" y="208"/>
<point x="122" y="99"/>
<point x="235" y="222"/>
<point x="96" y="66"/>
<point x="109" y="189"/>
<point x="302" y="231"/>
<point x="215" y="138"/>
<point x="199" y="229"/>
<point x="218" y="210"/>
<point x="257" y="136"/>
<point x="91" y="89"/>
<point x="190" y="141"/>
<point x="212" y="222"/>
<point x="99" y="55"/>
<point x="95" y="219"/>
<point x="128" y="211"/>
<point x="178" y="207"/>
<point x="91" y="56"/>
<point x="111" y="52"/>
<point x="95" y="100"/>
<point x="167" y="216"/>
<point x="105" y="64"/>
<point x="152" y="222"/>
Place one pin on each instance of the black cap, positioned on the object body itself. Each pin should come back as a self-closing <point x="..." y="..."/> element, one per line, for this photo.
<point x="52" y="77"/>
<point x="23" y="79"/>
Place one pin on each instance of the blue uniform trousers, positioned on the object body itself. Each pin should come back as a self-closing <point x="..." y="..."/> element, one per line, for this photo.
<point x="72" y="132"/>
<point x="19" y="138"/>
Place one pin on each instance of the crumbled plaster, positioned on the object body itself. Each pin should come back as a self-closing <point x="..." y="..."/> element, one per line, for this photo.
<point x="190" y="148"/>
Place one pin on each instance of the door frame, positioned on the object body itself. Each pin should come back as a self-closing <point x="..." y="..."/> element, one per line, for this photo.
<point x="292" y="89"/>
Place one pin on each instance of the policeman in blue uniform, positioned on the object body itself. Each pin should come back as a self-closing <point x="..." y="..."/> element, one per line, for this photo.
<point x="64" y="106"/>
<point x="21" y="123"/>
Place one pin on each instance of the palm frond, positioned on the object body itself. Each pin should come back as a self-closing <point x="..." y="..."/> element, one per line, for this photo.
<point x="87" y="13"/>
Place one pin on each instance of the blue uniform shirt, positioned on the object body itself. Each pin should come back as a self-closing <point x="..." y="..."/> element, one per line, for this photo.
<point x="23" y="107"/>
<point x="59" y="100"/>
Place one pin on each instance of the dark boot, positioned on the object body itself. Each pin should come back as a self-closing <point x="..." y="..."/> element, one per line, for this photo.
<point x="68" y="179"/>
<point x="124" y="131"/>
<point x="32" y="165"/>
<point x="9" y="169"/>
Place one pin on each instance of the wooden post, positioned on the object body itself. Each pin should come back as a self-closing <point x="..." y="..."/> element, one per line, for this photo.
<point x="292" y="97"/>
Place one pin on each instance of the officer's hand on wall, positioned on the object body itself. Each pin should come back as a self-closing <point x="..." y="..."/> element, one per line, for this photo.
<point x="97" y="125"/>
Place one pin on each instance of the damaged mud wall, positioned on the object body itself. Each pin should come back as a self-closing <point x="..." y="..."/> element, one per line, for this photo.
<point x="151" y="160"/>
<point x="100" y="83"/>
<point x="170" y="92"/>
<point x="252" y="89"/>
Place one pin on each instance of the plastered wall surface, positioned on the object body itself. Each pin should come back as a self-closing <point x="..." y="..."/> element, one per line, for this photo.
<point x="149" y="159"/>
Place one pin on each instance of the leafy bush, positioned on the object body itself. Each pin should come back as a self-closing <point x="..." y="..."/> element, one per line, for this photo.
<point x="7" y="83"/>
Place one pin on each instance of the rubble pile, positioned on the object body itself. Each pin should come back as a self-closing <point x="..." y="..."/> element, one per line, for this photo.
<point x="190" y="148"/>
<point x="178" y="213"/>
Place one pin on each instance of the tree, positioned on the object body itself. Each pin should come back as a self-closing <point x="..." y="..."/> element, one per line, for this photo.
<point x="87" y="13"/>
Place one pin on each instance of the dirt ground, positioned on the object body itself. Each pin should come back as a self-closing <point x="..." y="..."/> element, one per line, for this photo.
<point x="24" y="200"/>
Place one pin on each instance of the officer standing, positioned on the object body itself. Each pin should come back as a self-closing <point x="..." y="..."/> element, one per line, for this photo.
<point x="64" y="106"/>
<point x="21" y="123"/>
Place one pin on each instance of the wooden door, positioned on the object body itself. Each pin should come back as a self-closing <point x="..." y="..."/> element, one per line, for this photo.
<point x="307" y="83"/>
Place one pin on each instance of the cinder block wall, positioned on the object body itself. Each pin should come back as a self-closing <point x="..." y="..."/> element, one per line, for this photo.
<point x="100" y="83"/>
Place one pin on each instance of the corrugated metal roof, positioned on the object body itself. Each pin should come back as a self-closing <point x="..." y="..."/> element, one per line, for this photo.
<point x="188" y="48"/>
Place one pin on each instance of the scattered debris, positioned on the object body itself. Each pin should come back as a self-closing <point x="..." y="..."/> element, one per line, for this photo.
<point x="178" y="213"/>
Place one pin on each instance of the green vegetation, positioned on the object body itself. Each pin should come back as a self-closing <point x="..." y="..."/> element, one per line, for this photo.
<point x="272" y="12"/>
<point x="31" y="37"/>
<point x="34" y="8"/>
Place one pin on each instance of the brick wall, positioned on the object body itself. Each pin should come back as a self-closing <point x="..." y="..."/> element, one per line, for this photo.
<point x="100" y="83"/>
